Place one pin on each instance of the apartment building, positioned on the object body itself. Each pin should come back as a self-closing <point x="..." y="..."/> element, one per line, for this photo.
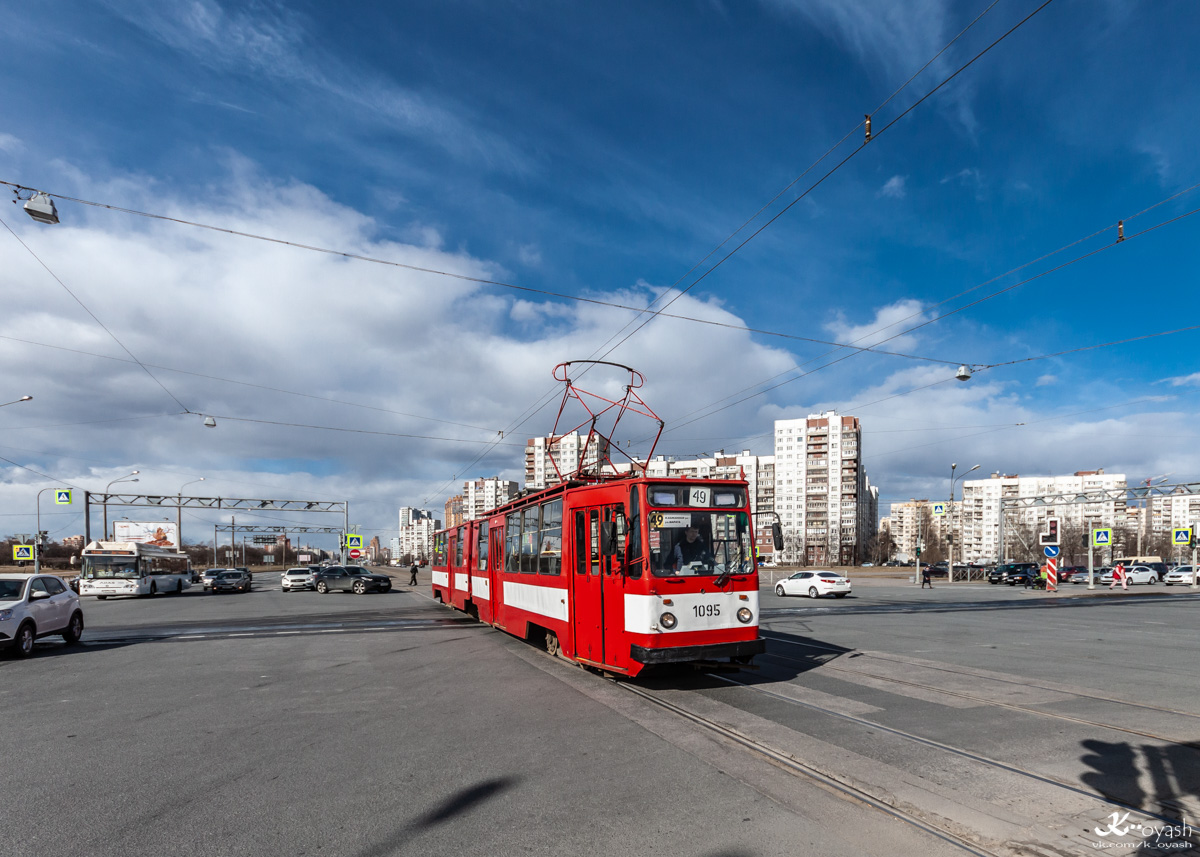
<point x="483" y="495"/>
<point x="1159" y="515"/>
<point x="568" y="453"/>
<point x="913" y="523"/>
<point x="978" y="523"/>
<point x="417" y="527"/>
<point x="826" y="503"/>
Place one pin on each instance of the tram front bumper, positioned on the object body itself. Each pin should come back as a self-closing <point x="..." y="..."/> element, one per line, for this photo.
<point x="684" y="654"/>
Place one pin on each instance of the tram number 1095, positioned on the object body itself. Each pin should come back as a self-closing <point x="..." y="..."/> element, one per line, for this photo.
<point x="706" y="609"/>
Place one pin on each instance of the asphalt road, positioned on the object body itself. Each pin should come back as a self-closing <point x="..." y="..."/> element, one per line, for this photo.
<point x="273" y="723"/>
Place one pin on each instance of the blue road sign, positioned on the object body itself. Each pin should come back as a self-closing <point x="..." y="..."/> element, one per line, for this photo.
<point x="1102" y="538"/>
<point x="63" y="497"/>
<point x="939" y="509"/>
<point x="1050" y="551"/>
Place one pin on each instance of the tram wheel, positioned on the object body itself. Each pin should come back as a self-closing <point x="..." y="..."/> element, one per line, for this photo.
<point x="552" y="643"/>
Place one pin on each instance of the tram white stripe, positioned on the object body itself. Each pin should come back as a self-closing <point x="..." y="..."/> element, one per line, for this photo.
<point x="642" y="611"/>
<point x="549" y="601"/>
<point x="441" y="578"/>
<point x="481" y="587"/>
<point x="460" y="582"/>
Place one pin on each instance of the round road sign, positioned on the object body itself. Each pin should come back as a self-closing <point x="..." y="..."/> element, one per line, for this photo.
<point x="355" y="554"/>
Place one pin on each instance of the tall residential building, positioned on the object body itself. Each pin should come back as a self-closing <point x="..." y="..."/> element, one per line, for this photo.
<point x="539" y="469"/>
<point x="913" y="523"/>
<point x="415" y="541"/>
<point x="1159" y="516"/>
<point x="454" y="511"/>
<point x="978" y="523"/>
<point x="828" y="508"/>
<point x="483" y="495"/>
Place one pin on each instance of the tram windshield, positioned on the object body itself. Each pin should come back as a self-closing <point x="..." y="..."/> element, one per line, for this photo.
<point x="689" y="541"/>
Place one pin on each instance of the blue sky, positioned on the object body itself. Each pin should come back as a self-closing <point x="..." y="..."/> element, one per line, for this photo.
<point x="599" y="151"/>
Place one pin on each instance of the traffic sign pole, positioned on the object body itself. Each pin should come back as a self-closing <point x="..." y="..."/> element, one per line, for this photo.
<point x="1051" y="574"/>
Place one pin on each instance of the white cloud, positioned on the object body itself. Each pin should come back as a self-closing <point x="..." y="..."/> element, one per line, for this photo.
<point x="10" y="144"/>
<point x="425" y="369"/>
<point x="1047" y="380"/>
<point x="1188" y="380"/>
<point x="893" y="188"/>
<point x="888" y="321"/>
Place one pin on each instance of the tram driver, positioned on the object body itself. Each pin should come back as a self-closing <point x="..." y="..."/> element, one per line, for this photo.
<point x="692" y="548"/>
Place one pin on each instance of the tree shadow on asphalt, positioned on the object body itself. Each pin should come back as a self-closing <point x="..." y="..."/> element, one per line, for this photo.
<point x="460" y="803"/>
<point x="1117" y="769"/>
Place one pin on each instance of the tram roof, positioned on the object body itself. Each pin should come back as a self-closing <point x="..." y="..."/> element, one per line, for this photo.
<point x="531" y="498"/>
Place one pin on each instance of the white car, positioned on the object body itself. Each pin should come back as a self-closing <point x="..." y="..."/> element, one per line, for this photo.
<point x="814" y="584"/>
<point x="297" y="578"/>
<point x="1183" y="574"/>
<point x="37" y="605"/>
<point x="1134" y="574"/>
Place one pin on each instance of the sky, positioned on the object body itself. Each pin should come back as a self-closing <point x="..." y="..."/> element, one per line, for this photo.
<point x="505" y="186"/>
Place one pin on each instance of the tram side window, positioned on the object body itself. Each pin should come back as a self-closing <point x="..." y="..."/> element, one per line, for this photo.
<point x="483" y="546"/>
<point x="581" y="564"/>
<point x="458" y="546"/>
<point x="550" y="555"/>
<point x="439" y="549"/>
<point x="512" y="543"/>
<point x="529" y="540"/>
<point x="633" y="554"/>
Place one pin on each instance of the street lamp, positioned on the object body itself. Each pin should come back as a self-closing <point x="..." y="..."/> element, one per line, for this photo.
<point x="37" y="539"/>
<point x="950" y="511"/>
<point x="17" y="401"/>
<point x="179" y="513"/>
<point x="110" y="485"/>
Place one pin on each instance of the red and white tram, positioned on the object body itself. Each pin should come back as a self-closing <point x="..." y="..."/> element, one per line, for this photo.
<point x="619" y="574"/>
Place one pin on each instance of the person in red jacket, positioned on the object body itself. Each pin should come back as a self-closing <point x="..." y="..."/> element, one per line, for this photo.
<point x="1119" y="576"/>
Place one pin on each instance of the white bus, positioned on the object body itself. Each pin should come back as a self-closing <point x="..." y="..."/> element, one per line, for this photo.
<point x="132" y="568"/>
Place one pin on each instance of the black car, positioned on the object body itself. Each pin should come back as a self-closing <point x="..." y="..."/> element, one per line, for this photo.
<point x="231" y="580"/>
<point x="351" y="578"/>
<point x="1013" y="573"/>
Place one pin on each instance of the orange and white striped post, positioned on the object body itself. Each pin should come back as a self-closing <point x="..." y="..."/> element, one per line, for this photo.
<point x="1052" y="574"/>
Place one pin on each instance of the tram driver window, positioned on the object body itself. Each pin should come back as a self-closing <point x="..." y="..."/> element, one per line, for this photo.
<point x="512" y="543"/>
<point x="550" y="538"/>
<point x="483" y="546"/>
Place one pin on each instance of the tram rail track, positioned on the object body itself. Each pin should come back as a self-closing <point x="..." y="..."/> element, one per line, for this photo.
<point x="983" y="700"/>
<point x="796" y="766"/>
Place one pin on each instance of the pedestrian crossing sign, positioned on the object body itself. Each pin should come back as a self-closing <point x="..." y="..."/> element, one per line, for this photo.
<point x="353" y="541"/>
<point x="1102" y="538"/>
<point x="1181" y="536"/>
<point x="62" y="497"/>
<point x="22" y="551"/>
<point x="939" y="509"/>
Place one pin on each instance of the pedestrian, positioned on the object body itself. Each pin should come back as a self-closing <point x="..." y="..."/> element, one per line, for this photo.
<point x="1119" y="576"/>
<point x="925" y="578"/>
<point x="412" y="573"/>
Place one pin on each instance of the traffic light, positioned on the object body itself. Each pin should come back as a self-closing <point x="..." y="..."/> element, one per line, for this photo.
<point x="1083" y="540"/>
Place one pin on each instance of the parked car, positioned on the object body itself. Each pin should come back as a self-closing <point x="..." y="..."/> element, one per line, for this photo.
<point x="1013" y="573"/>
<point x="814" y="584"/>
<point x="232" y="580"/>
<point x="298" y="578"/>
<point x="1077" y="574"/>
<point x="1180" y="574"/>
<point x="868" y="565"/>
<point x="1134" y="574"/>
<point x="351" y="578"/>
<point x="37" y="605"/>
<point x="206" y="577"/>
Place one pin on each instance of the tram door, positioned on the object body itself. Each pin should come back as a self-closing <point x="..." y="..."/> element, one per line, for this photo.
<point x="599" y="585"/>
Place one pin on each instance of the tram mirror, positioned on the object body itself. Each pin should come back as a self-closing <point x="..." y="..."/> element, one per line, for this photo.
<point x="608" y="538"/>
<point x="777" y="535"/>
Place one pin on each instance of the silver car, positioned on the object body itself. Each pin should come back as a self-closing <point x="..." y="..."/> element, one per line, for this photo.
<point x="297" y="578"/>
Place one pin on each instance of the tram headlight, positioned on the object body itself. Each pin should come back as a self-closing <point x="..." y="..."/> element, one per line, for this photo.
<point x="668" y="621"/>
<point x="744" y="615"/>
